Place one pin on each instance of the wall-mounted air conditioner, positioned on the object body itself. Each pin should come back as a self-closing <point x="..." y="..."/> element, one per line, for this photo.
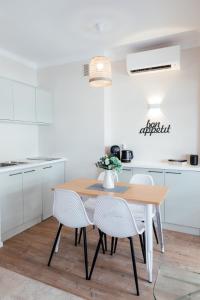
<point x="154" y="60"/>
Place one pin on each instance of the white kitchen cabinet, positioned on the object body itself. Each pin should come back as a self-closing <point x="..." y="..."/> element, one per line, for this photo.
<point x="11" y="201"/>
<point x="24" y="102"/>
<point x="6" y="99"/>
<point x="44" y="106"/>
<point x="32" y="194"/>
<point x="52" y="176"/>
<point x="125" y="175"/>
<point x="182" y="206"/>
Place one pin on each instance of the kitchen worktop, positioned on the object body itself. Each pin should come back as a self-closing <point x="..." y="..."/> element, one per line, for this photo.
<point x="161" y="165"/>
<point x="30" y="164"/>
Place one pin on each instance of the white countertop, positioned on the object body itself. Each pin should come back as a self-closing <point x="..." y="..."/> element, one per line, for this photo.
<point x="161" y="165"/>
<point x="30" y="164"/>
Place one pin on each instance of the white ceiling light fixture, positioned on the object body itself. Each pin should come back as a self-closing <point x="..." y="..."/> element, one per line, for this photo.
<point x="100" y="74"/>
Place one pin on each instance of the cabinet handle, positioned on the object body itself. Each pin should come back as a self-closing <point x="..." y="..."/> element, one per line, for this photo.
<point x="30" y="171"/>
<point x="178" y="173"/>
<point x="49" y="167"/>
<point x="151" y="171"/>
<point x="15" y="174"/>
<point x="127" y="169"/>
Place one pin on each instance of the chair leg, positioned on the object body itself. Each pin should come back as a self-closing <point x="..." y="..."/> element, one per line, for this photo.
<point x="76" y="236"/>
<point x="105" y="242"/>
<point x="96" y="253"/>
<point x="142" y="248"/>
<point x="102" y="245"/>
<point x="134" y="265"/>
<point x="80" y="235"/>
<point x="85" y="252"/>
<point x="155" y="233"/>
<point x="112" y="245"/>
<point x="115" y="246"/>
<point x="54" y="244"/>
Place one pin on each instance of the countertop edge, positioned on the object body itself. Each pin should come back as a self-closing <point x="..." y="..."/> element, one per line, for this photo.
<point x="31" y="165"/>
<point x="160" y="165"/>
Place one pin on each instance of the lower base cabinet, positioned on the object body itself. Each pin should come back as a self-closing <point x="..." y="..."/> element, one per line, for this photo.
<point x="32" y="194"/>
<point x="26" y="197"/>
<point x="182" y="206"/>
<point x="11" y="201"/>
<point x="52" y="175"/>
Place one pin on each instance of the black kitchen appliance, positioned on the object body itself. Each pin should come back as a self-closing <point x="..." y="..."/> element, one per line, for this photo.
<point x="194" y="160"/>
<point x="115" y="150"/>
<point x="127" y="156"/>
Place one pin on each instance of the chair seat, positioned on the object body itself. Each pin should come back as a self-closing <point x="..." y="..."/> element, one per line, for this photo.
<point x="137" y="209"/>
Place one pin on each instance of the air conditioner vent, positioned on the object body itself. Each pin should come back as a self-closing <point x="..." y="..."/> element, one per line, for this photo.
<point x="153" y="60"/>
<point x="86" y="70"/>
<point x="151" y="69"/>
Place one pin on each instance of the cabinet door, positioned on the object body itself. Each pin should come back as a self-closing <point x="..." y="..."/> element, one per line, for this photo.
<point x="44" y="106"/>
<point x="12" y="201"/>
<point x="125" y="175"/>
<point x="32" y="194"/>
<point x="6" y="100"/>
<point x="52" y="176"/>
<point x="24" y="102"/>
<point x="182" y="206"/>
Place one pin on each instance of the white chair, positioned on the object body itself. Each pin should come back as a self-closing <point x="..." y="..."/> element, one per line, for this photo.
<point x="90" y="206"/>
<point x="69" y="210"/>
<point x="138" y="209"/>
<point x="113" y="217"/>
<point x="91" y="202"/>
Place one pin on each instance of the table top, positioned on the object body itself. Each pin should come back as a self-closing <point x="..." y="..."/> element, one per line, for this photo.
<point x="146" y="194"/>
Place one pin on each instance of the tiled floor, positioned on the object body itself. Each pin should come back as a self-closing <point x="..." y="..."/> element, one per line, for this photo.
<point x="17" y="287"/>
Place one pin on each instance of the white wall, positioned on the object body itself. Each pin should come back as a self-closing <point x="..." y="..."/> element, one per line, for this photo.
<point x="180" y="93"/>
<point x="14" y="70"/>
<point x="78" y="129"/>
<point x="17" y="140"/>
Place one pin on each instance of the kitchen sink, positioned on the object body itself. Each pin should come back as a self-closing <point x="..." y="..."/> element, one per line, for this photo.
<point x="43" y="158"/>
<point x="11" y="163"/>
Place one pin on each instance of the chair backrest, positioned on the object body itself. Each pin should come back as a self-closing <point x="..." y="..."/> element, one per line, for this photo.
<point x="69" y="210"/>
<point x="113" y="216"/>
<point x="115" y="176"/>
<point x="141" y="179"/>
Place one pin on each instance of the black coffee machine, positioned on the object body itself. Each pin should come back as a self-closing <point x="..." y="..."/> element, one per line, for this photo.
<point x="126" y="155"/>
<point x="115" y="150"/>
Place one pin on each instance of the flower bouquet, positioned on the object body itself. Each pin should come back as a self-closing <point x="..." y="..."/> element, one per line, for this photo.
<point x="110" y="164"/>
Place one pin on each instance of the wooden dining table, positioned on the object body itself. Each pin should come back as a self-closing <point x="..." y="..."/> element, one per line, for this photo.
<point x="135" y="193"/>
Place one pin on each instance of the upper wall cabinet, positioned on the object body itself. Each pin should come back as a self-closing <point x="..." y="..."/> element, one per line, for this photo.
<point x="44" y="106"/>
<point x="6" y="100"/>
<point x="24" y="102"/>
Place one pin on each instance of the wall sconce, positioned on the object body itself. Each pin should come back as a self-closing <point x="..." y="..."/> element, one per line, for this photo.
<point x="154" y="110"/>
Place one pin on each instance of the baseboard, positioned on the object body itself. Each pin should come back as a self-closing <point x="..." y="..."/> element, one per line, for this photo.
<point x="184" y="229"/>
<point x="7" y="235"/>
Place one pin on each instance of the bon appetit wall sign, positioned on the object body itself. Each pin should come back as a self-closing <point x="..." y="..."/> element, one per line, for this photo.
<point x="154" y="128"/>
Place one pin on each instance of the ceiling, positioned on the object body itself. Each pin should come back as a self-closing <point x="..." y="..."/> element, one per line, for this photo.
<point x="46" y="32"/>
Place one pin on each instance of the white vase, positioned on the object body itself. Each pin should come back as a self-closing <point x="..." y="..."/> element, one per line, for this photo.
<point x="108" y="182"/>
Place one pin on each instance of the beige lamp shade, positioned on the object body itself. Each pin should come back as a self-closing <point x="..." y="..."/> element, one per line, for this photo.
<point x="100" y="72"/>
